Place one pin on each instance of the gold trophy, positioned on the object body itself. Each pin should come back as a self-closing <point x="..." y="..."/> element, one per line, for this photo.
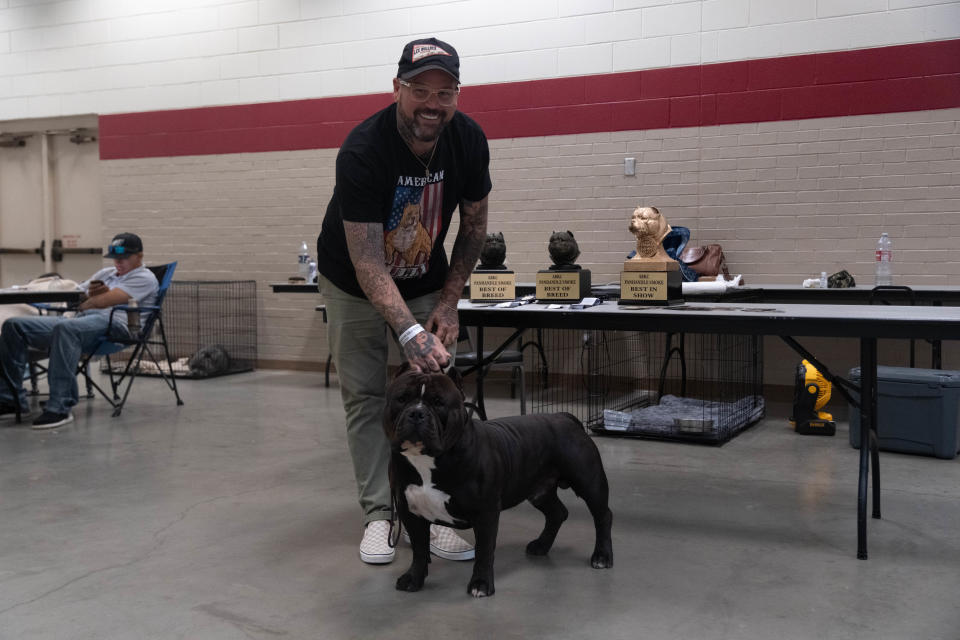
<point x="651" y="277"/>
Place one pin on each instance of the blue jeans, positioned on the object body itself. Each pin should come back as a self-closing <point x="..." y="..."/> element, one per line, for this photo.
<point x="65" y="339"/>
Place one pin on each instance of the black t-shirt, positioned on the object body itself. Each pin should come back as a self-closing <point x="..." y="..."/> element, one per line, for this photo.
<point x="380" y="180"/>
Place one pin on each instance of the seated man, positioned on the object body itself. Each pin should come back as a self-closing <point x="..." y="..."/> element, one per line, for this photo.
<point x="66" y="338"/>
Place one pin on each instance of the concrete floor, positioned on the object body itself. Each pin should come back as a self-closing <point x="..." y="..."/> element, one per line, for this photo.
<point x="235" y="517"/>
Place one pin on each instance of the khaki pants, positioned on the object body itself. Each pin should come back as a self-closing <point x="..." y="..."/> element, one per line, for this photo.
<point x="358" y="338"/>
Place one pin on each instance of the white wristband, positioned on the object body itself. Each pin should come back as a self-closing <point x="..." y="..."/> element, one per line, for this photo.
<point x="408" y="335"/>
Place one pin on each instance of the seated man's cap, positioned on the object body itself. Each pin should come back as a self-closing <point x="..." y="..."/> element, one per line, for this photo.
<point x="425" y="54"/>
<point x="124" y="245"/>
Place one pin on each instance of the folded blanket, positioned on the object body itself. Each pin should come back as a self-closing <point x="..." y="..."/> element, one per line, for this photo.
<point x="704" y="417"/>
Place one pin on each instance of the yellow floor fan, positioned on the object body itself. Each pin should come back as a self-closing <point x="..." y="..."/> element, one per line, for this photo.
<point x="810" y="394"/>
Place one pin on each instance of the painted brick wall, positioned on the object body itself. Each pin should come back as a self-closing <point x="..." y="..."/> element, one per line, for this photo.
<point x="784" y="198"/>
<point x="773" y="152"/>
<point x="233" y="217"/>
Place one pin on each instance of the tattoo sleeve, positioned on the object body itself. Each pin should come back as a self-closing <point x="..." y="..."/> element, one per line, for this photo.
<point x="365" y="244"/>
<point x="466" y="249"/>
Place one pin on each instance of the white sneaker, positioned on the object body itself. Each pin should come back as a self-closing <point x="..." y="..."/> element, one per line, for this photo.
<point x="375" y="547"/>
<point x="446" y="543"/>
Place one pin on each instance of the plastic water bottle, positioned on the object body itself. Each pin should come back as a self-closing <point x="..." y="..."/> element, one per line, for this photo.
<point x="133" y="317"/>
<point x="303" y="262"/>
<point x="884" y="268"/>
<point x="823" y="279"/>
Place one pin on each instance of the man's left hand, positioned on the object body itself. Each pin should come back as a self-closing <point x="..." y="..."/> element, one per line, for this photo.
<point x="444" y="323"/>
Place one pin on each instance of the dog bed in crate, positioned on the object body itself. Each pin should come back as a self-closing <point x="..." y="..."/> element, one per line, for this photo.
<point x="679" y="418"/>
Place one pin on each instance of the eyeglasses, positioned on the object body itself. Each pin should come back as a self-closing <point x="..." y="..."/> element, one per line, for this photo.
<point x="420" y="93"/>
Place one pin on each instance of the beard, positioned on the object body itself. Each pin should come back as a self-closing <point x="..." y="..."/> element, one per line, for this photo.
<point x="412" y="131"/>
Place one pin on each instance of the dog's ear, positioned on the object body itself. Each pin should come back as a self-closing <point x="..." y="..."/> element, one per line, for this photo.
<point x="402" y="369"/>
<point x="454" y="374"/>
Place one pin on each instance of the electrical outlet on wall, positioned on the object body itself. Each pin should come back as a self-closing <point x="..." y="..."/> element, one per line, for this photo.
<point x="629" y="166"/>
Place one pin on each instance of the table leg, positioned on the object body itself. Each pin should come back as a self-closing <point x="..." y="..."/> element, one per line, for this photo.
<point x="868" y="426"/>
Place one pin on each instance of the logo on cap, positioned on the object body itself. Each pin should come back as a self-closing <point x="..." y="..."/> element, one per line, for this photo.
<point x="421" y="51"/>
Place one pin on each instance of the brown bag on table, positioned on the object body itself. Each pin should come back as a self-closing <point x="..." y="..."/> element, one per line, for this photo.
<point x="708" y="261"/>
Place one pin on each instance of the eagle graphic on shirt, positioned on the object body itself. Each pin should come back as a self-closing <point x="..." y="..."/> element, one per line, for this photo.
<point x="413" y="225"/>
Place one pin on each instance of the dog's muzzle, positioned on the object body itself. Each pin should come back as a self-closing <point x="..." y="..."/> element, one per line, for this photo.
<point x="418" y="425"/>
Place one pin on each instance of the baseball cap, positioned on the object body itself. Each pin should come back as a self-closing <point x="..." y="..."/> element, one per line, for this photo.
<point x="123" y="245"/>
<point x="425" y="54"/>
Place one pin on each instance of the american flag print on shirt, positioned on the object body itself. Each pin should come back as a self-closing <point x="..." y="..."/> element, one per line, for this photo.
<point x="414" y="224"/>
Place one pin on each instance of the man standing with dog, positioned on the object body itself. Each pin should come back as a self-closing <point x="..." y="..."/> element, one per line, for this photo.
<point x="383" y="267"/>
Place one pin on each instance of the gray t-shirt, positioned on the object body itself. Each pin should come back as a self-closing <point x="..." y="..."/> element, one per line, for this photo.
<point x="140" y="284"/>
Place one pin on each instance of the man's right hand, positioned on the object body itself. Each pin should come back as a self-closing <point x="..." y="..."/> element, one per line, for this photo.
<point x="97" y="288"/>
<point x="425" y="352"/>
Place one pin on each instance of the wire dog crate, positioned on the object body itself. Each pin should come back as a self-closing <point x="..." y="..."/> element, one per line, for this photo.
<point x="692" y="387"/>
<point x="211" y="328"/>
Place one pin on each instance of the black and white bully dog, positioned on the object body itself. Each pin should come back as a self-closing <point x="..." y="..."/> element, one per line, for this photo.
<point x="451" y="470"/>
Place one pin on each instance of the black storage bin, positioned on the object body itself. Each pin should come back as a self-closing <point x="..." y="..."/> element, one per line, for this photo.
<point x="918" y="411"/>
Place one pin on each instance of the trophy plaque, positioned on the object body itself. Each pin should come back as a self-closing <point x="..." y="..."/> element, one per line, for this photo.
<point x="651" y="277"/>
<point x="565" y="281"/>
<point x="492" y="281"/>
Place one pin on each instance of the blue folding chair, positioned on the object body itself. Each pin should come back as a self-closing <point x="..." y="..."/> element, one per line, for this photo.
<point x="151" y="335"/>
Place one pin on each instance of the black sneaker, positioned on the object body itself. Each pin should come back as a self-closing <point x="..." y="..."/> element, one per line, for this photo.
<point x="49" y="420"/>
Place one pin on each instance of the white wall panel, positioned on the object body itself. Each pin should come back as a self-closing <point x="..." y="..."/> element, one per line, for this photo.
<point x="471" y="14"/>
<point x="321" y="8"/>
<point x="575" y="61"/>
<point x="239" y="65"/>
<point x="830" y="8"/>
<point x="263" y="38"/>
<point x="92" y="32"/>
<point x="685" y="49"/>
<point x="240" y="14"/>
<point x="671" y="20"/>
<point x="725" y="14"/>
<point x="899" y="4"/>
<point x="272" y="11"/>
<point x="384" y="24"/>
<point x="44" y="38"/>
<point x="307" y="85"/>
<point x="751" y="42"/>
<point x="13" y="63"/>
<point x="326" y="31"/>
<point x="635" y="4"/>
<point x="613" y="27"/>
<point x="220" y="92"/>
<point x="511" y="67"/>
<point x="583" y="7"/>
<point x="259" y="89"/>
<point x="158" y="25"/>
<point x="942" y="21"/>
<point x="499" y="40"/>
<point x="283" y="61"/>
<point x="641" y="54"/>
<point x="780" y="11"/>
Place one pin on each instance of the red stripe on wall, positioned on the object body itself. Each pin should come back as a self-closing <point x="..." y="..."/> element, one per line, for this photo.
<point x="888" y="79"/>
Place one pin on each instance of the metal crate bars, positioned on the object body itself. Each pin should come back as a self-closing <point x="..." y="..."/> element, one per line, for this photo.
<point x="693" y="387"/>
<point x="211" y="328"/>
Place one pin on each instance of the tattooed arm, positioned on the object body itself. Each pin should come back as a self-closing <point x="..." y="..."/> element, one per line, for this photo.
<point x="443" y="320"/>
<point x="365" y="244"/>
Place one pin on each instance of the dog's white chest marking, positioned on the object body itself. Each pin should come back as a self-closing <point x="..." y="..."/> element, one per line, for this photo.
<point x="426" y="500"/>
